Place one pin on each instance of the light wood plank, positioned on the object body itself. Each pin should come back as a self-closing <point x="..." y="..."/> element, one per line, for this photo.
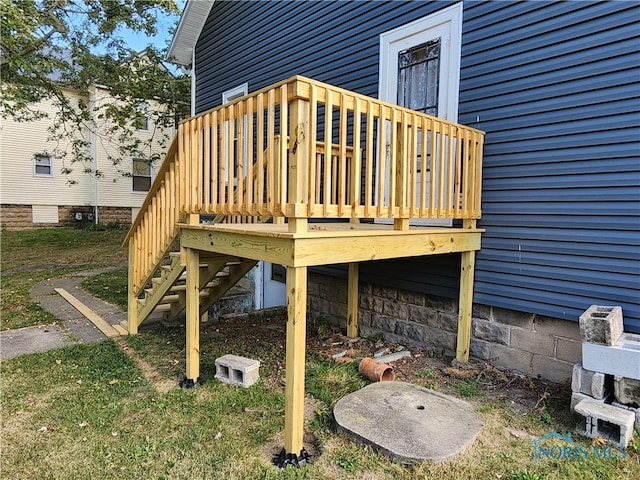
<point x="295" y="359"/>
<point x="193" y="314"/>
<point x="467" y="268"/>
<point x="102" y="325"/>
<point x="132" y="290"/>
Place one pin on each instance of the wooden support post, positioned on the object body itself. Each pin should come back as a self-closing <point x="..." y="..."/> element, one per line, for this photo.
<point x="352" y="302"/>
<point x="295" y="356"/>
<point x="193" y="314"/>
<point x="465" y="306"/>
<point x="299" y="157"/>
<point x="132" y="302"/>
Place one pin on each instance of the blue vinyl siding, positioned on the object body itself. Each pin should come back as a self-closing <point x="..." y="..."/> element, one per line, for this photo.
<point x="556" y="86"/>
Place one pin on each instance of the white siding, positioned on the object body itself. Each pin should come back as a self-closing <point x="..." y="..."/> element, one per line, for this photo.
<point x="20" y="141"/>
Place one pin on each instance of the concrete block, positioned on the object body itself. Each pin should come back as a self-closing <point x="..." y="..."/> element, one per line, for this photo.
<point x="480" y="349"/>
<point x="600" y="324"/>
<point x="491" y="332"/>
<point x="602" y="420"/>
<point x="621" y="359"/>
<point x="237" y="370"/>
<point x="634" y="410"/>
<point x="556" y="327"/>
<point x="410" y="330"/>
<point x="411" y="298"/>
<point x="595" y="384"/>
<point x="394" y="308"/>
<point x="512" y="358"/>
<point x="551" y="369"/>
<point x="568" y="350"/>
<point x="425" y="315"/>
<point x="627" y="390"/>
<point x="448" y="322"/>
<point x="513" y="318"/>
<point x="534" y="342"/>
<point x="576" y="398"/>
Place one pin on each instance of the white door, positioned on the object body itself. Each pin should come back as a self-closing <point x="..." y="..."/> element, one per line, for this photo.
<point x="271" y="286"/>
<point x="420" y="69"/>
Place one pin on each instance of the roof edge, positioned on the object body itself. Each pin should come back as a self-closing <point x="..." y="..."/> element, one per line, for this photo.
<point x="192" y="21"/>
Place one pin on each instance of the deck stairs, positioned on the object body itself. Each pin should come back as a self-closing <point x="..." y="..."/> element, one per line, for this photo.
<point x="166" y="293"/>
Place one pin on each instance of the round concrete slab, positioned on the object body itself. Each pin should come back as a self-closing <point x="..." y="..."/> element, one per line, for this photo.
<point x="407" y="422"/>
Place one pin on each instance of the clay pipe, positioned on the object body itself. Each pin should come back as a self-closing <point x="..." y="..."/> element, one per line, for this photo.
<point x="379" y="372"/>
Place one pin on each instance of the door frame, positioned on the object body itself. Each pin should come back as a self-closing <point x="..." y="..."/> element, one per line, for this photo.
<point x="447" y="21"/>
<point x="446" y="24"/>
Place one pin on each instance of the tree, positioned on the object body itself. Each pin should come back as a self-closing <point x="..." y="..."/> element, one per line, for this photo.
<point x="47" y="46"/>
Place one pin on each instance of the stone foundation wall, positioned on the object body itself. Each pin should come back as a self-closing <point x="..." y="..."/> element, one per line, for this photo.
<point x="20" y="217"/>
<point x="16" y="217"/>
<point x="114" y="215"/>
<point x="536" y="345"/>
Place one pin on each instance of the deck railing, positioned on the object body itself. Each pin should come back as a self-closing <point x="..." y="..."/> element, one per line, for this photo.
<point x="265" y="155"/>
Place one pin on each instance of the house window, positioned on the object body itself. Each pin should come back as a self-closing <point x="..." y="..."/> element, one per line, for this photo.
<point x="418" y="77"/>
<point x="141" y="121"/>
<point x="43" y="165"/>
<point x="141" y="175"/>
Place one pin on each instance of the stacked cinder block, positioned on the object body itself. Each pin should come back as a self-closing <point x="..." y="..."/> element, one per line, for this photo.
<point x="606" y="385"/>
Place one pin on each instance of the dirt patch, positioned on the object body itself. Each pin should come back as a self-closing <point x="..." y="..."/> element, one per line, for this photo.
<point x="162" y="385"/>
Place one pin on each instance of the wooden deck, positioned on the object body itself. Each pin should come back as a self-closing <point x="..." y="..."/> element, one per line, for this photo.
<point x="327" y="243"/>
<point x="267" y="167"/>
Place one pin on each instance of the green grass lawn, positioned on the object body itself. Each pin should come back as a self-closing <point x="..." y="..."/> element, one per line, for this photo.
<point x="112" y="410"/>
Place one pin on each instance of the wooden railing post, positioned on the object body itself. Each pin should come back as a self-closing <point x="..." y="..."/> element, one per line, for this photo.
<point x="132" y="302"/>
<point x="399" y="177"/>
<point x="299" y="157"/>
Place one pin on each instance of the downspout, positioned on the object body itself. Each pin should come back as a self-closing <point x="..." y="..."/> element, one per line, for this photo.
<point x="94" y="152"/>
<point x="193" y="82"/>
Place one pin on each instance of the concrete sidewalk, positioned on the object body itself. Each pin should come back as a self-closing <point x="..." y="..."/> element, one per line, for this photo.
<point x="72" y="328"/>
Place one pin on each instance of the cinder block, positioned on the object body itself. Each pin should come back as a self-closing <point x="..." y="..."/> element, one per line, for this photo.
<point x="595" y="384"/>
<point x="627" y="390"/>
<point x="602" y="420"/>
<point x="600" y="324"/>
<point x="634" y="410"/>
<point x="237" y="370"/>
<point x="576" y="398"/>
<point x="621" y="359"/>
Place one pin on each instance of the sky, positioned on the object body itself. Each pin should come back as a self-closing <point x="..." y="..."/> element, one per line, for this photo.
<point x="139" y="42"/>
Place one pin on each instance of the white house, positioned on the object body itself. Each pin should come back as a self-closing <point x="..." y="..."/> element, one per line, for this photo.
<point x="36" y="189"/>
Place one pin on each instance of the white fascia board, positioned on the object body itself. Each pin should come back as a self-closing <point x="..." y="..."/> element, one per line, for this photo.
<point x="186" y="36"/>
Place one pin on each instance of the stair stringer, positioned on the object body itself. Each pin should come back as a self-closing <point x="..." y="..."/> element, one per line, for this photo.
<point x="236" y="272"/>
<point x="160" y="290"/>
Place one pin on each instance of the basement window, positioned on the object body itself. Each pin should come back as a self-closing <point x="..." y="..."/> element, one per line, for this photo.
<point x="141" y="175"/>
<point x="42" y="165"/>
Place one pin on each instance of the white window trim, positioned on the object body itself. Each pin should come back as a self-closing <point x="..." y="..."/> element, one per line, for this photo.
<point x="235" y="92"/>
<point x="46" y="175"/>
<point x="227" y="97"/>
